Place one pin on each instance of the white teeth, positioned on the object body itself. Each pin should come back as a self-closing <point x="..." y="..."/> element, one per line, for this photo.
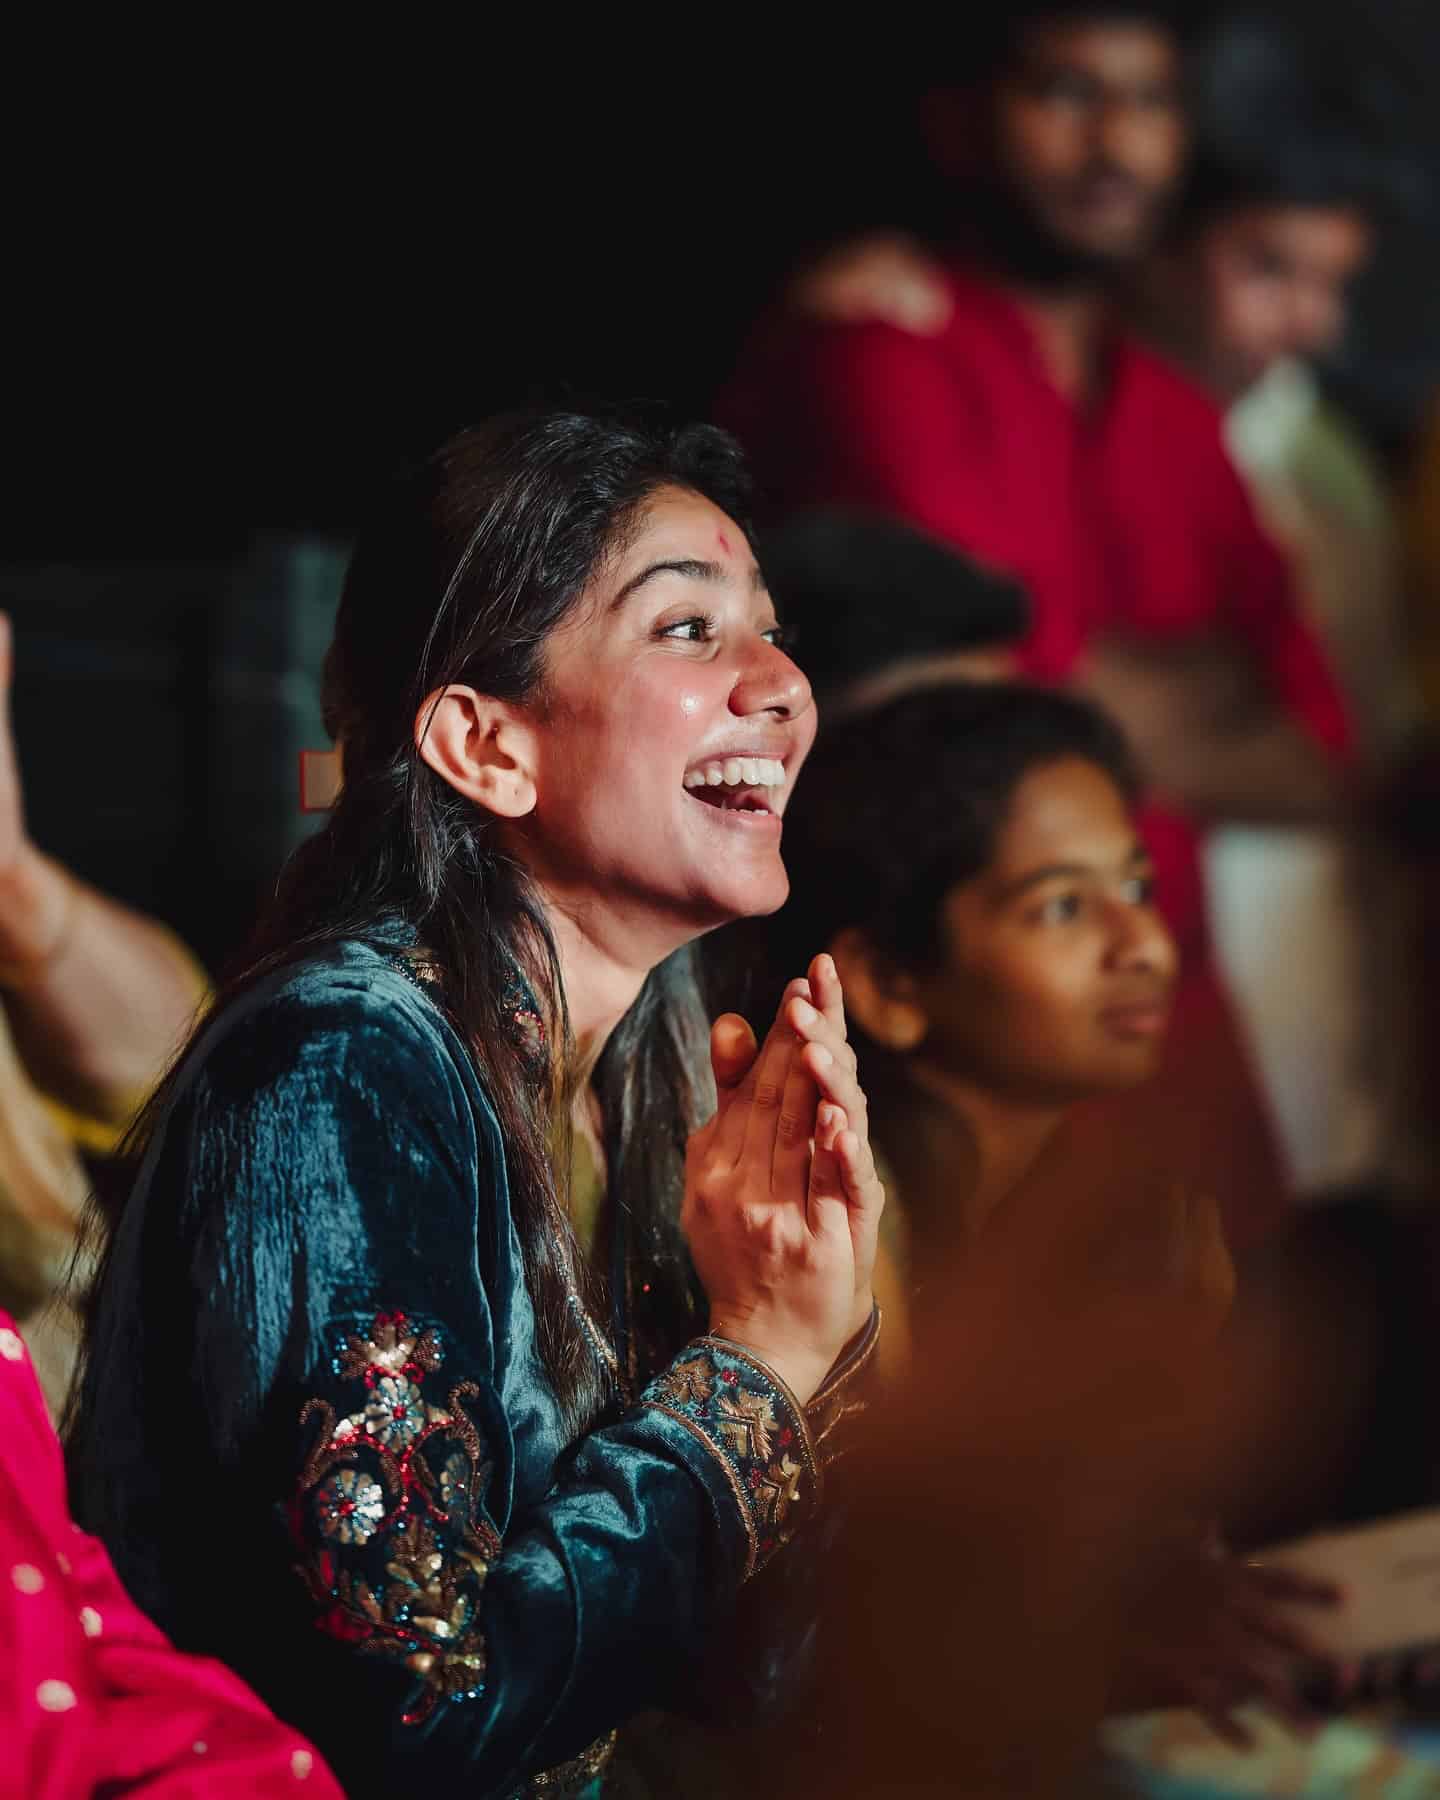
<point x="751" y="771"/>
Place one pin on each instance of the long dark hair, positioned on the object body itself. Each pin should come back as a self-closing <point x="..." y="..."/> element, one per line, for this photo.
<point x="460" y="576"/>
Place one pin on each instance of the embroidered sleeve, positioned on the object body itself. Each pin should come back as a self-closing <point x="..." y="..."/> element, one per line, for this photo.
<point x="844" y="1395"/>
<point x="388" y="1523"/>
<point x="755" y="1430"/>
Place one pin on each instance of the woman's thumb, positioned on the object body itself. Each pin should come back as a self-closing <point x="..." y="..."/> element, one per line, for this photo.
<point x="732" y="1050"/>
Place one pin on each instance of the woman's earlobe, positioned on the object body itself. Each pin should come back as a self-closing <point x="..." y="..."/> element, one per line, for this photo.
<point x="481" y="747"/>
<point x="904" y="1027"/>
<point x="878" y="997"/>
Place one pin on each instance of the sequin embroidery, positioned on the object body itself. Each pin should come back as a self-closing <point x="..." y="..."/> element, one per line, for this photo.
<point x="394" y="1548"/>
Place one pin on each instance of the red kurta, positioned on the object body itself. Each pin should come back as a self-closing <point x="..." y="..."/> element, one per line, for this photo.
<point x="1124" y="518"/>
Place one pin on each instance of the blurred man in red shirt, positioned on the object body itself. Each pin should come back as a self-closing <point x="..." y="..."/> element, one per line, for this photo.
<point x="1023" y="423"/>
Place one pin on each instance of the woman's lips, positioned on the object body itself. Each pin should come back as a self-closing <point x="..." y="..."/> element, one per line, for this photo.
<point x="1139" y="1019"/>
<point x="750" y="818"/>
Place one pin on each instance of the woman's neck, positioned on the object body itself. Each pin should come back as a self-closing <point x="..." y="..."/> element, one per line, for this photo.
<point x="1006" y="1137"/>
<point x="603" y="968"/>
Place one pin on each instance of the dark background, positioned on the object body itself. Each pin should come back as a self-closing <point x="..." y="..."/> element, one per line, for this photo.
<point x="242" y="294"/>
<point x="246" y="276"/>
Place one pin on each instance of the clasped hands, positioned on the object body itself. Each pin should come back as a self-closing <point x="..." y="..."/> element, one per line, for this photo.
<point x="782" y="1199"/>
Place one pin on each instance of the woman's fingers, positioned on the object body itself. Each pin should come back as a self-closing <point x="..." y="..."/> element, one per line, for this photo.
<point x="795" y="1129"/>
<point x="1268" y="1625"/>
<point x="1275" y="1581"/>
<point x="826" y="993"/>
<point x="832" y="1062"/>
<point x="732" y="1051"/>
<point x="863" y="1187"/>
<point x="826" y="1205"/>
<point x="753" y="1117"/>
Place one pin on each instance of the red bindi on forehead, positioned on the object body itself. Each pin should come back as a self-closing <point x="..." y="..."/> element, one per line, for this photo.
<point x="724" y="543"/>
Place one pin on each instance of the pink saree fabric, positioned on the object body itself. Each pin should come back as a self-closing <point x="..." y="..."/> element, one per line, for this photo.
<point x="93" y="1698"/>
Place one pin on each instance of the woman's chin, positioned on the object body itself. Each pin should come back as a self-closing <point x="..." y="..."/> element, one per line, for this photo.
<point x="762" y="893"/>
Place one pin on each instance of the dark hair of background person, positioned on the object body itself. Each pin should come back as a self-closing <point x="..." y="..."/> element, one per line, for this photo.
<point x="860" y="593"/>
<point x="988" y="46"/>
<point x="896" y="807"/>
<point x="460" y="575"/>
<point x="1285" y="123"/>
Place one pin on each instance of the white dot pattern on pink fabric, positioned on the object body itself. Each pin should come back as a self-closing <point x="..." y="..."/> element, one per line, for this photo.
<point x="11" y="1347"/>
<point x="301" y="1763"/>
<point x="90" y="1621"/>
<point x="55" y="1696"/>
<point x="27" y="1578"/>
<point x="199" y="1746"/>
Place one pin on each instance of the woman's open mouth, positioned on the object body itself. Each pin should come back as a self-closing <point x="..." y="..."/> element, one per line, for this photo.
<point x="746" y="788"/>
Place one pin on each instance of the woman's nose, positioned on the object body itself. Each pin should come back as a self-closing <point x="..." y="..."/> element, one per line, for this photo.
<point x="770" y="682"/>
<point x="1142" y="941"/>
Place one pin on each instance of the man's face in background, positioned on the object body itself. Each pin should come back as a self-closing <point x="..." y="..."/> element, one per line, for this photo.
<point x="1085" y="147"/>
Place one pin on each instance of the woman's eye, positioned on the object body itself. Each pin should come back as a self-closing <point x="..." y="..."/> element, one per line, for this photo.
<point x="689" y="631"/>
<point x="1060" y="909"/>
<point x="779" y="636"/>
<point x="1140" y="890"/>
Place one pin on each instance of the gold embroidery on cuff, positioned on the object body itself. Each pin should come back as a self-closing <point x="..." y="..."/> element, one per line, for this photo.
<point x="752" y="1425"/>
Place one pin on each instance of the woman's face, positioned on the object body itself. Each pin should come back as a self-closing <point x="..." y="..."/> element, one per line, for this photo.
<point x="671" y="730"/>
<point x="1056" y="971"/>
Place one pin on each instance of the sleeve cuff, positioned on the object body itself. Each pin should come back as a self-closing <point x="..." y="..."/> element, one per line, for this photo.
<point x="754" y="1428"/>
<point x="844" y="1394"/>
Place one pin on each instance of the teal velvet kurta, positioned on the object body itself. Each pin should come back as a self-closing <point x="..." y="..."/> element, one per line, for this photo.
<point x="318" y="1440"/>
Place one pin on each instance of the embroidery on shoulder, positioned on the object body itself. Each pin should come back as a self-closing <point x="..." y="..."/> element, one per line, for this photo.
<point x="386" y="1517"/>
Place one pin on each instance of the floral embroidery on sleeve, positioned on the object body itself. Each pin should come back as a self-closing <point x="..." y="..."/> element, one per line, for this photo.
<point x="394" y="1547"/>
<point x="750" y="1422"/>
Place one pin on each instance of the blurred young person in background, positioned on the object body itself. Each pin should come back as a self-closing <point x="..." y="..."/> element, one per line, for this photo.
<point x="1016" y="416"/>
<point x="970" y="857"/>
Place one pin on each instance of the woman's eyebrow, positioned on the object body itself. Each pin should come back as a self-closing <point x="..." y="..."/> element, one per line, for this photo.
<point x="1037" y="877"/>
<point x="692" y="568"/>
<point x="1139" y="857"/>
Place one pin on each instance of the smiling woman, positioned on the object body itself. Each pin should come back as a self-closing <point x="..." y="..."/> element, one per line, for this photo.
<point x="462" y="1461"/>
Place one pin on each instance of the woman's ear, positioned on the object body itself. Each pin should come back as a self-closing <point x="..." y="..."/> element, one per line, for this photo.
<point x="883" y="1001"/>
<point x="482" y="747"/>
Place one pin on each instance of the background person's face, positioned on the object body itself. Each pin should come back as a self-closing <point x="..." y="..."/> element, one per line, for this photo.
<point x="669" y="671"/>
<point x="1274" y="282"/>
<point x="1090" y="135"/>
<point x="1057" y="972"/>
